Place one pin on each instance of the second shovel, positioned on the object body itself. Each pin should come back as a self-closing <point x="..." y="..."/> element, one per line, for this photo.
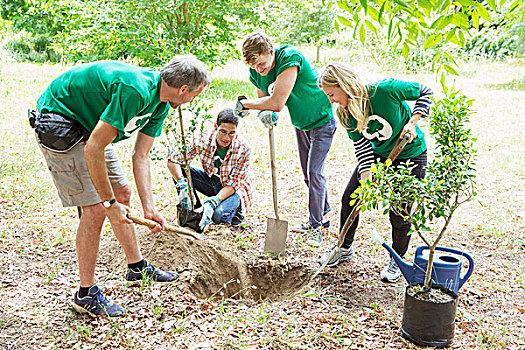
<point x="276" y="229"/>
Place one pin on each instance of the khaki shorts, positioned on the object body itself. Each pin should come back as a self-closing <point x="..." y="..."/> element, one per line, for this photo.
<point x="71" y="177"/>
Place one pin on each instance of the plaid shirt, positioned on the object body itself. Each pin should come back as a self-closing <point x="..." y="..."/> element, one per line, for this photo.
<point x="234" y="168"/>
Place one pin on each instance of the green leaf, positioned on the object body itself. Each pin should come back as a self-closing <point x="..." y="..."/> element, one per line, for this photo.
<point x="381" y="10"/>
<point x="451" y="59"/>
<point x="372" y="12"/>
<point x="492" y="3"/>
<point x="426" y="4"/>
<point x="475" y="19"/>
<point x="432" y="41"/>
<point x="362" y="34"/>
<point x="344" y="5"/>
<point x="482" y="11"/>
<point x="450" y="69"/>
<point x="364" y="5"/>
<point x="390" y="29"/>
<point x="461" y="20"/>
<point x="405" y="50"/>
<point x="403" y="4"/>
<point x="336" y="25"/>
<point x="345" y="21"/>
<point x="371" y="26"/>
<point x="352" y="202"/>
<point x="515" y="5"/>
<point x="444" y="23"/>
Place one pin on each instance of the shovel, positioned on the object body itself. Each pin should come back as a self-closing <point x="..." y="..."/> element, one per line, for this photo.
<point x="400" y="144"/>
<point x="170" y="228"/>
<point x="276" y="229"/>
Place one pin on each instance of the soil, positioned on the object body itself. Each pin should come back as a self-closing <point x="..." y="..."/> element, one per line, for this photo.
<point x="434" y="295"/>
<point x="215" y="267"/>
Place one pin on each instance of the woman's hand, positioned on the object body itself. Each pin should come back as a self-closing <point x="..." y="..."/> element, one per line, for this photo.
<point x="410" y="127"/>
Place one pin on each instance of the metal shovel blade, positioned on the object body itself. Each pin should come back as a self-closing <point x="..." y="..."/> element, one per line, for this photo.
<point x="276" y="233"/>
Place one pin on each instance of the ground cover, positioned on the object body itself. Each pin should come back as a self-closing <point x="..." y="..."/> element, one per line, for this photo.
<point x="231" y="295"/>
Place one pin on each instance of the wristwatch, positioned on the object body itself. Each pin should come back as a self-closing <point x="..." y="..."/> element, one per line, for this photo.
<point x="109" y="203"/>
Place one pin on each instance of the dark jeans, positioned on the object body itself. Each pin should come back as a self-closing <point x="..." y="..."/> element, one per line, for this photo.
<point x="400" y="227"/>
<point x="210" y="187"/>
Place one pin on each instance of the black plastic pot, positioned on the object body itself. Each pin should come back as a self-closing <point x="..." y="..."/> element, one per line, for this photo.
<point x="429" y="323"/>
<point x="189" y="218"/>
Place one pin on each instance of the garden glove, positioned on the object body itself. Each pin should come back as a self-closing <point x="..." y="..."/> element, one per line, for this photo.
<point x="239" y="110"/>
<point x="184" y="195"/>
<point x="268" y="118"/>
<point x="207" y="210"/>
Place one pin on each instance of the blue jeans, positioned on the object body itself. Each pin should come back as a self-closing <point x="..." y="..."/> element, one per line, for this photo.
<point x="210" y="187"/>
<point x="313" y="148"/>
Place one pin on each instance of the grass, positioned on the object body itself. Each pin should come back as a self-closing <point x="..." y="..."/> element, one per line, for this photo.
<point x="29" y="205"/>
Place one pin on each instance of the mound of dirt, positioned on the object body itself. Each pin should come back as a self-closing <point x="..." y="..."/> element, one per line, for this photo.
<point x="213" y="267"/>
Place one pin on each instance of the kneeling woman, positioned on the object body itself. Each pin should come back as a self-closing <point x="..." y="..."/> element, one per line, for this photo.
<point x="375" y="116"/>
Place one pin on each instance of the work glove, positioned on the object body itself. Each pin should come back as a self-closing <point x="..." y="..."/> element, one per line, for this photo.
<point x="184" y="195"/>
<point x="239" y="110"/>
<point x="268" y="118"/>
<point x="207" y="210"/>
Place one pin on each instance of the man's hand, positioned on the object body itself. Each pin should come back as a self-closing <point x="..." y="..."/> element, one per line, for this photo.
<point x="268" y="118"/>
<point x="117" y="214"/>
<point x="184" y="196"/>
<point x="156" y="216"/>
<point x="239" y="110"/>
<point x="207" y="209"/>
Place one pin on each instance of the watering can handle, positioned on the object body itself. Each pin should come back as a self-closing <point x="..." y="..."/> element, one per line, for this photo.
<point x="467" y="274"/>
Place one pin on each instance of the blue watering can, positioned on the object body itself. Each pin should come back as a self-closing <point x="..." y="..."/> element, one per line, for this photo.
<point x="445" y="271"/>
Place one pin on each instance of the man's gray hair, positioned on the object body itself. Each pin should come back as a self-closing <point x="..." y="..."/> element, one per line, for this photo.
<point x="185" y="70"/>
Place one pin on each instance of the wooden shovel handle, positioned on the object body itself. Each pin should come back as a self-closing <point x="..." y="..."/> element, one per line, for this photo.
<point x="167" y="227"/>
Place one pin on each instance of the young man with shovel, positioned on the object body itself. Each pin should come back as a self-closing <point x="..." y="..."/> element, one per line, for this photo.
<point x="110" y="101"/>
<point x="283" y="77"/>
<point x="225" y="159"/>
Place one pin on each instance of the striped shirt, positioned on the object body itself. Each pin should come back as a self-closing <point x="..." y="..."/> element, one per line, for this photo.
<point x="234" y="168"/>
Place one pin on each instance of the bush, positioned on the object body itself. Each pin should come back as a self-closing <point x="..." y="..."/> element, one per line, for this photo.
<point x="32" y="48"/>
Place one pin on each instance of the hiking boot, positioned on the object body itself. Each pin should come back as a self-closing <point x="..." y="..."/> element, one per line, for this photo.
<point x="305" y="227"/>
<point x="96" y="304"/>
<point x="391" y="272"/>
<point x="342" y="254"/>
<point x="152" y="272"/>
<point x="315" y="237"/>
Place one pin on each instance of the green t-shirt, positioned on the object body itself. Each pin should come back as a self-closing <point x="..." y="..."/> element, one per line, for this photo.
<point x="218" y="158"/>
<point x="389" y="114"/>
<point x="122" y="95"/>
<point x="308" y="105"/>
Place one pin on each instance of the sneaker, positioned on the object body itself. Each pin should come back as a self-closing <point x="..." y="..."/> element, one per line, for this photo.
<point x="391" y="272"/>
<point x="152" y="272"/>
<point x="342" y="254"/>
<point x="96" y="304"/>
<point x="237" y="219"/>
<point x="315" y="237"/>
<point x="307" y="227"/>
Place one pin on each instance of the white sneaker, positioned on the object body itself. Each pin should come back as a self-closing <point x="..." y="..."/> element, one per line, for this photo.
<point x="391" y="272"/>
<point x="315" y="237"/>
<point x="342" y="254"/>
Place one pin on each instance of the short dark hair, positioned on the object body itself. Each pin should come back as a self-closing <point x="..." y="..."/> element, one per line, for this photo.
<point x="227" y="116"/>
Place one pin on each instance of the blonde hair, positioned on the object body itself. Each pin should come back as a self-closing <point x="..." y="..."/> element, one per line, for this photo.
<point x="342" y="76"/>
<point x="254" y="45"/>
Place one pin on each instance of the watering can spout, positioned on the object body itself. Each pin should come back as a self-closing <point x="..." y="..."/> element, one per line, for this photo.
<point x="406" y="269"/>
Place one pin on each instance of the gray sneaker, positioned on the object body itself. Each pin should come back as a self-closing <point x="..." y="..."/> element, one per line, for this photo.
<point x="342" y="254"/>
<point x="391" y="272"/>
<point x="315" y="237"/>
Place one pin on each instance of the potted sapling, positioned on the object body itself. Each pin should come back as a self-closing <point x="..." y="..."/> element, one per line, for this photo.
<point x="434" y="278"/>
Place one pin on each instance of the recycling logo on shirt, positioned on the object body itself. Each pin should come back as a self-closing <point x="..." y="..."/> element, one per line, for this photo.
<point x="135" y="124"/>
<point x="378" y="128"/>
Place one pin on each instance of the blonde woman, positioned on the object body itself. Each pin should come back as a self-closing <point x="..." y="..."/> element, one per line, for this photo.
<point x="375" y="116"/>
